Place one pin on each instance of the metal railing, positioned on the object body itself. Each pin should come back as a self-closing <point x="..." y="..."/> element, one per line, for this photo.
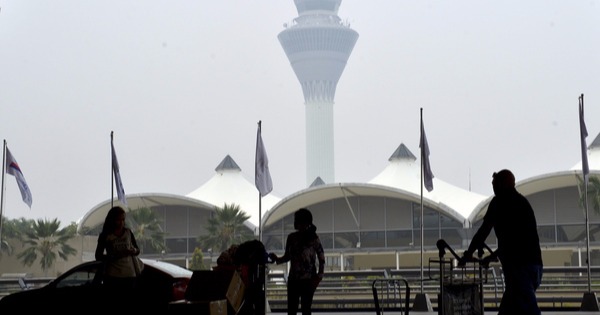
<point x="562" y="288"/>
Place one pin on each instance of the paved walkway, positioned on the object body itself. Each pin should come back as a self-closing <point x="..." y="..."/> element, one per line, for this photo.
<point x="435" y="313"/>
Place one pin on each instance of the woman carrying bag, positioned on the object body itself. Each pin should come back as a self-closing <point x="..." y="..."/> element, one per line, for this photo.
<point x="118" y="249"/>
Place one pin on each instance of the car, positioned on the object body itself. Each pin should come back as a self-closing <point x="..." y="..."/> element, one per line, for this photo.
<point x="80" y="290"/>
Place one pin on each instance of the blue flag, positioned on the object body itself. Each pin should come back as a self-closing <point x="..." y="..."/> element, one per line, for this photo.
<point x="117" y="174"/>
<point x="262" y="175"/>
<point x="427" y="174"/>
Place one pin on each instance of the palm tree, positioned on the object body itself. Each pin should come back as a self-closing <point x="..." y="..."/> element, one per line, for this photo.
<point x="4" y="244"/>
<point x="225" y="228"/>
<point x="146" y="228"/>
<point x="13" y="229"/>
<point x="593" y="193"/>
<point x="5" y="248"/>
<point x="44" y="238"/>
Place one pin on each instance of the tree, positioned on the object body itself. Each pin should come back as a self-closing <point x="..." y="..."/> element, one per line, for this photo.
<point x="197" y="262"/>
<point x="45" y="239"/>
<point x="146" y="227"/>
<point x="593" y="193"/>
<point x="13" y="229"/>
<point x="225" y="228"/>
<point x="5" y="247"/>
<point x="7" y="228"/>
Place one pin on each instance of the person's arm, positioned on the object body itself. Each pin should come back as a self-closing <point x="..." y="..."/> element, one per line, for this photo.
<point x="285" y="258"/>
<point x="479" y="237"/>
<point x="286" y="255"/>
<point x="321" y="258"/>
<point x="136" y="249"/>
<point x="489" y="220"/>
<point x="100" y="246"/>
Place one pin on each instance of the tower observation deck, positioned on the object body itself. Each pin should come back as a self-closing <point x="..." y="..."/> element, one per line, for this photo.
<point x="318" y="45"/>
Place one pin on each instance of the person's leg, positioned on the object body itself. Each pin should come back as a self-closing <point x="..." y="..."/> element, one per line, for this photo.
<point x="534" y="274"/>
<point x="519" y="297"/>
<point x="306" y="296"/>
<point x="537" y="273"/>
<point x="293" y="292"/>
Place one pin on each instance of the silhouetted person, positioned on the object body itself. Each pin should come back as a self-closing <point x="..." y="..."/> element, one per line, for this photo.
<point x="117" y="248"/>
<point x="511" y="216"/>
<point x="302" y="249"/>
<point x="251" y="257"/>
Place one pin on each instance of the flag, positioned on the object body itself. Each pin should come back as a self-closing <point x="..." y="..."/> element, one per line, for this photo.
<point x="262" y="176"/>
<point x="426" y="167"/>
<point x="12" y="168"/>
<point x="117" y="174"/>
<point x="583" y="131"/>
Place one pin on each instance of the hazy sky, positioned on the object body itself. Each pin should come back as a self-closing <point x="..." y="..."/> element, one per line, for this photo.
<point x="183" y="84"/>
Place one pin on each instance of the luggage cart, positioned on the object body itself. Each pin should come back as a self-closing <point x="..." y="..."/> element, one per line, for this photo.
<point x="387" y="295"/>
<point x="461" y="286"/>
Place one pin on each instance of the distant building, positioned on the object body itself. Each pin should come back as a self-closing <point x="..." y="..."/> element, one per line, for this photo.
<point x="378" y="224"/>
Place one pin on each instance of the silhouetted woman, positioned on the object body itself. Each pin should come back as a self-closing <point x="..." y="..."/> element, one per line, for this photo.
<point x="302" y="249"/>
<point x="117" y="248"/>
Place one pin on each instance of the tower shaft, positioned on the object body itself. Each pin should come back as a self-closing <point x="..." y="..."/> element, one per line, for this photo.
<point x="318" y="45"/>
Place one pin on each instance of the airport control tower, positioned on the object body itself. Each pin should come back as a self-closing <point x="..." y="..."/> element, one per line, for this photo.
<point x="318" y="45"/>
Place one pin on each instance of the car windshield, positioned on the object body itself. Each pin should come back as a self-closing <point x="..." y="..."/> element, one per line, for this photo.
<point x="80" y="277"/>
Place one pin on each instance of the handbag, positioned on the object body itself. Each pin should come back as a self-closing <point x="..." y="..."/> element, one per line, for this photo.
<point x="138" y="265"/>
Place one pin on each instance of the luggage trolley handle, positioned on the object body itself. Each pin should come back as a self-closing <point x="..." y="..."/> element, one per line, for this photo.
<point x="442" y="245"/>
<point x="483" y="262"/>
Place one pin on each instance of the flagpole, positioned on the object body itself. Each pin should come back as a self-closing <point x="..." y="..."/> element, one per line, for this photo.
<point x="259" y="194"/>
<point x="587" y="238"/>
<point x="2" y="187"/>
<point x="259" y="217"/>
<point x="112" y="174"/>
<point x="585" y="172"/>
<point x="590" y="301"/>
<point x="263" y="270"/>
<point x="262" y="177"/>
<point x="422" y="302"/>
<point x="421" y="184"/>
<point x="262" y="180"/>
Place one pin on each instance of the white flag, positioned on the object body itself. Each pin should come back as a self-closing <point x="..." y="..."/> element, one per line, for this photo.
<point x="117" y="174"/>
<point x="427" y="174"/>
<point x="583" y="131"/>
<point x="12" y="168"/>
<point x="262" y="175"/>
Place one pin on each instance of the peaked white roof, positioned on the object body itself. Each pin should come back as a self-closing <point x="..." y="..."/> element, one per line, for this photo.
<point x="400" y="179"/>
<point x="97" y="214"/>
<point x="229" y="186"/>
<point x="593" y="152"/>
<point x="553" y="180"/>
<point x="404" y="172"/>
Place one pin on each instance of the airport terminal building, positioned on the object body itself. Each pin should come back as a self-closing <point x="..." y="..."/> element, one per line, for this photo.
<point x="377" y="224"/>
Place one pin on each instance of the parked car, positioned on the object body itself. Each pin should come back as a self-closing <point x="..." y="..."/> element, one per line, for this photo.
<point x="80" y="290"/>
